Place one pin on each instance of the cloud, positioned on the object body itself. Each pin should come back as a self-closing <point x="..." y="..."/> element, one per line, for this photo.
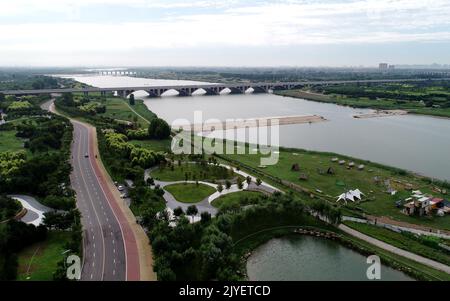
<point x="225" y="24"/>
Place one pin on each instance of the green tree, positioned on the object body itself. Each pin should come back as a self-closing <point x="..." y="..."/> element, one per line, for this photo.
<point x="239" y="183"/>
<point x="227" y="184"/>
<point x="178" y="211"/>
<point x="248" y="179"/>
<point x="220" y="187"/>
<point x="131" y="99"/>
<point x="158" y="129"/>
<point x="258" y="181"/>
<point x="192" y="210"/>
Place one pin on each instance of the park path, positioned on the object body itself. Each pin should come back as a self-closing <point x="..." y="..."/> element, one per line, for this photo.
<point x="378" y="243"/>
<point x="398" y="226"/>
<point x="205" y="204"/>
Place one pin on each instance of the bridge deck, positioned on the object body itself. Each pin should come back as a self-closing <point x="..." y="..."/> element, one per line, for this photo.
<point x="207" y="86"/>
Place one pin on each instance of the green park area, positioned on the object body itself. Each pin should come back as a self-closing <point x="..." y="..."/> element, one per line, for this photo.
<point x="237" y="199"/>
<point x="190" y="192"/>
<point x="10" y="142"/>
<point x="120" y="109"/>
<point x="192" y="171"/>
<point x="38" y="261"/>
<point x="321" y="175"/>
<point x="162" y="145"/>
<point x="427" y="98"/>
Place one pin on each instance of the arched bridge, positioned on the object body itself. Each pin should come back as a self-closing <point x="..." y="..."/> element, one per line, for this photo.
<point x="211" y="89"/>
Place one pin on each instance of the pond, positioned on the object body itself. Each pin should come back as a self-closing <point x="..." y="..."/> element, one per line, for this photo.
<point x="307" y="258"/>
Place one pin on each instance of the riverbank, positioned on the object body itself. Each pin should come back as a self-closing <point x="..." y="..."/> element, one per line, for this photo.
<point x="359" y="103"/>
<point x="321" y="176"/>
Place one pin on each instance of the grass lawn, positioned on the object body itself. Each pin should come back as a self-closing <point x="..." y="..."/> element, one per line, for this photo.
<point x="119" y="109"/>
<point x="43" y="264"/>
<point x="9" y="141"/>
<point x="244" y="197"/>
<point x="154" y="145"/>
<point x="142" y="110"/>
<point x="194" y="171"/>
<point x="402" y="241"/>
<point x="190" y="193"/>
<point x="371" y="181"/>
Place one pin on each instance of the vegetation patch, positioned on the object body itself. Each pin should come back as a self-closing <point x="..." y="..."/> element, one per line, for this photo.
<point x="39" y="261"/>
<point x="192" y="171"/>
<point x="190" y="193"/>
<point x="236" y="199"/>
<point x="317" y="173"/>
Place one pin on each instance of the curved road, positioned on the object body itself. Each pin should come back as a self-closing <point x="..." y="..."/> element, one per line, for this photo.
<point x="110" y="249"/>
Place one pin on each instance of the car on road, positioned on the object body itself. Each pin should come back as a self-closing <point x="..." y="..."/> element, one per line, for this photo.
<point x="120" y="188"/>
<point x="86" y="155"/>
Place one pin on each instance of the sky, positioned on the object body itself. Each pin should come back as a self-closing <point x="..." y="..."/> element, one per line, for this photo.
<point x="223" y="33"/>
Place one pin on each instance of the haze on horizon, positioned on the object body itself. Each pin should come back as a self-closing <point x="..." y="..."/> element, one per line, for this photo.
<point x="224" y="33"/>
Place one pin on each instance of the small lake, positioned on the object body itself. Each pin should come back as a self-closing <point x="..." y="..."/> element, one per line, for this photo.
<point x="306" y="258"/>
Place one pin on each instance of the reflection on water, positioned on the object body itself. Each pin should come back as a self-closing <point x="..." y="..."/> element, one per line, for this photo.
<point x="310" y="258"/>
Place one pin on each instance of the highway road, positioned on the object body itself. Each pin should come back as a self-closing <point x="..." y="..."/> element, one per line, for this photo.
<point x="104" y="256"/>
<point x="110" y="238"/>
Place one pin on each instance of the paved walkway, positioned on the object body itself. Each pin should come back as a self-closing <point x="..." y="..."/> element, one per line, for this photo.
<point x="35" y="210"/>
<point x="205" y="204"/>
<point x="394" y="226"/>
<point x="395" y="250"/>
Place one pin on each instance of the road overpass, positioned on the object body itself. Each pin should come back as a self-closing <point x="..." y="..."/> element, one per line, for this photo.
<point x="210" y="88"/>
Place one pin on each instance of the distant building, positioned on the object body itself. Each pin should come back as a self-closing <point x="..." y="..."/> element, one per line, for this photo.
<point x="391" y="67"/>
<point x="383" y="66"/>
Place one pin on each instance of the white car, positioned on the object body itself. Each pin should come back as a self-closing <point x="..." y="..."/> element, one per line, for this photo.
<point x="120" y="188"/>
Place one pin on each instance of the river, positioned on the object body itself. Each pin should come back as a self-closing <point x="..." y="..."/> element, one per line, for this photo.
<point x="306" y="258"/>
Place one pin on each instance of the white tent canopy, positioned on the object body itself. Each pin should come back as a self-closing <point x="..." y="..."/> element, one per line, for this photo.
<point x="350" y="195"/>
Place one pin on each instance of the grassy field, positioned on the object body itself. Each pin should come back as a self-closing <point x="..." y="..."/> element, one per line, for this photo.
<point x="190" y="193"/>
<point x="154" y="145"/>
<point x="236" y="198"/>
<point x="402" y="241"/>
<point x="9" y="141"/>
<point x="373" y="181"/>
<point x="39" y="261"/>
<point x="119" y="109"/>
<point x="194" y="171"/>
